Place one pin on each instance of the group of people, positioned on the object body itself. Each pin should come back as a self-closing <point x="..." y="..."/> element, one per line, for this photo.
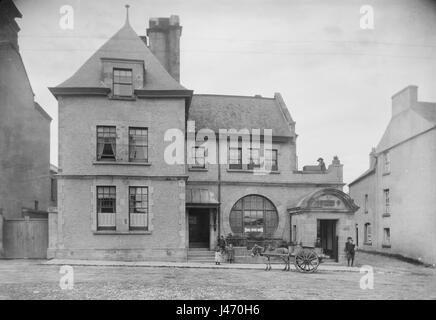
<point x="222" y="250"/>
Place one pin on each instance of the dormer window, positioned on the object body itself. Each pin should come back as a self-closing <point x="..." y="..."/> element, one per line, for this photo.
<point x="123" y="83"/>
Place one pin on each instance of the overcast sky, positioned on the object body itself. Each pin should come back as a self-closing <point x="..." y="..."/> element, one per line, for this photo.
<point x="336" y="78"/>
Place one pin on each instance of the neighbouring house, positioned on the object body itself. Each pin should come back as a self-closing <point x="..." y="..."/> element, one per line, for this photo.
<point x="120" y="198"/>
<point x="397" y="194"/>
<point x="24" y="145"/>
<point x="24" y="128"/>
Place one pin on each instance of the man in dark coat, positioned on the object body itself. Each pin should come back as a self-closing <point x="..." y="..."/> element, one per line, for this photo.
<point x="350" y="251"/>
<point x="321" y="164"/>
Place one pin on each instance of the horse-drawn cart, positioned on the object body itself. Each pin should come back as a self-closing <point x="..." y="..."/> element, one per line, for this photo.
<point x="306" y="259"/>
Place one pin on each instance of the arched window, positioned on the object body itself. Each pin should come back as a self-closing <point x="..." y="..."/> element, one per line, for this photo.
<point x="367" y="233"/>
<point x="254" y="214"/>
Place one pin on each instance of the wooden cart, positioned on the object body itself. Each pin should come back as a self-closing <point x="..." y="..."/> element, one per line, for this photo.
<point x="305" y="259"/>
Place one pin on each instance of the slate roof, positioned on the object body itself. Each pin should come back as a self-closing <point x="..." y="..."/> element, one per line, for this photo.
<point x="368" y="172"/>
<point x="125" y="44"/>
<point x="427" y="110"/>
<point x="238" y="112"/>
<point x="418" y="118"/>
<point x="415" y="120"/>
<point x="9" y="9"/>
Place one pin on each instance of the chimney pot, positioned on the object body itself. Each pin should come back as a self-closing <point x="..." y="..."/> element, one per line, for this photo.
<point x="174" y="20"/>
<point x="372" y="158"/>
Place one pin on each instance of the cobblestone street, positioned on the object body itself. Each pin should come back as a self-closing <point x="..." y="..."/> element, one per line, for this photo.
<point x="393" y="279"/>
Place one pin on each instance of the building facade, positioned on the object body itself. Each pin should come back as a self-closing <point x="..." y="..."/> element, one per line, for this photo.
<point x="24" y="128"/>
<point x="399" y="188"/>
<point x="133" y="185"/>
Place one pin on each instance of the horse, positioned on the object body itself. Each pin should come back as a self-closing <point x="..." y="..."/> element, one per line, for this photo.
<point x="270" y="252"/>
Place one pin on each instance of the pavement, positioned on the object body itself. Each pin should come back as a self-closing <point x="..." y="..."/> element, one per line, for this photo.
<point x="196" y="265"/>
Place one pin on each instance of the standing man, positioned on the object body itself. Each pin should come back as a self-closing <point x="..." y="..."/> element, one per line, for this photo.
<point x="350" y="250"/>
<point x="321" y="164"/>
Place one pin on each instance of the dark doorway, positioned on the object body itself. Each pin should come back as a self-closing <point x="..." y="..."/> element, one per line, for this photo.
<point x="357" y="235"/>
<point x="327" y="236"/>
<point x="199" y="228"/>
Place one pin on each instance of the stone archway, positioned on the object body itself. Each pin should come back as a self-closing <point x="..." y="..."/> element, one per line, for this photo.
<point x="323" y="218"/>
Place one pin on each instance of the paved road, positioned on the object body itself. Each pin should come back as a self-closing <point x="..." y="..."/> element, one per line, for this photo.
<point x="21" y="279"/>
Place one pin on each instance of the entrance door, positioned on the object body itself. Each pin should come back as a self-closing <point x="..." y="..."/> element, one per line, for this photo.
<point x="199" y="228"/>
<point x="327" y="235"/>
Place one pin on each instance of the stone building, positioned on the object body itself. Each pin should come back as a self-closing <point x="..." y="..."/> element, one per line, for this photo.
<point x="120" y="198"/>
<point x="24" y="128"/>
<point x="397" y="195"/>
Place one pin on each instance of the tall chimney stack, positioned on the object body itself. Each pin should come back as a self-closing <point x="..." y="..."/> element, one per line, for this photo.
<point x="164" y="41"/>
<point x="404" y="99"/>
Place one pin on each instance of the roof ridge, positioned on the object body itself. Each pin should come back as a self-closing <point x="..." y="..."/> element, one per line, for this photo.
<point x="233" y="96"/>
<point x="426" y="110"/>
<point x="124" y="44"/>
<point x="284" y="109"/>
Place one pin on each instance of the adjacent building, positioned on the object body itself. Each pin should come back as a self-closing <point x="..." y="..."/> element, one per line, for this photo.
<point x="397" y="195"/>
<point x="24" y="128"/>
<point x="119" y="195"/>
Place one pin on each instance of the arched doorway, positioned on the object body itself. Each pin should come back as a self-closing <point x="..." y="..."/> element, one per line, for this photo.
<point x="324" y="218"/>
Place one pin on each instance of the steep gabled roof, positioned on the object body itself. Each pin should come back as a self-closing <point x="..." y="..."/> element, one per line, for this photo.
<point x="9" y="9"/>
<point x="125" y="44"/>
<point x="238" y="112"/>
<point x="416" y="120"/>
<point x="427" y="110"/>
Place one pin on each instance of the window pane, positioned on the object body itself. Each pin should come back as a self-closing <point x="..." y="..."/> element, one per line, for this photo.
<point x="138" y="144"/>
<point x="106" y="142"/>
<point x="106" y="208"/>
<point x="138" y="207"/>
<point x="272" y="163"/>
<point x="252" y="212"/>
<point x="238" y="205"/>
<point x="199" y="156"/>
<point x="122" y="82"/>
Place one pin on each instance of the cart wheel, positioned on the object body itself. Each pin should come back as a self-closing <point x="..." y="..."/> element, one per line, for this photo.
<point x="306" y="260"/>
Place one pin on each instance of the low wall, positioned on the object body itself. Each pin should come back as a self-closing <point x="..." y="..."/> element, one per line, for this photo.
<point x="153" y="254"/>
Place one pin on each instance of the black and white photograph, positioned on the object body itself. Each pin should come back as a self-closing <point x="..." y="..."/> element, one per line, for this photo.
<point x="239" y="151"/>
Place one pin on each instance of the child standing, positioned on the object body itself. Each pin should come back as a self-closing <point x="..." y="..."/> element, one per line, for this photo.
<point x="217" y="256"/>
